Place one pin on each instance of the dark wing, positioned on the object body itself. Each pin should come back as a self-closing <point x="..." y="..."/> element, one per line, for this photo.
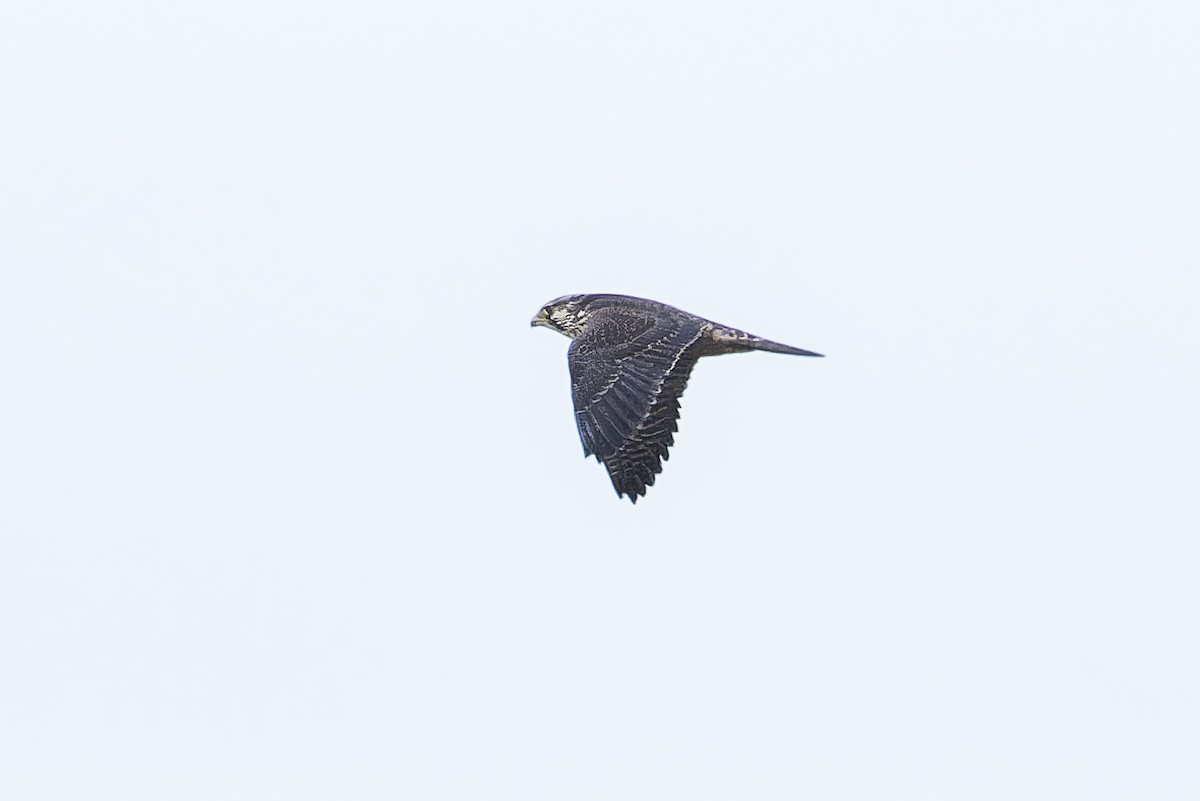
<point x="628" y="371"/>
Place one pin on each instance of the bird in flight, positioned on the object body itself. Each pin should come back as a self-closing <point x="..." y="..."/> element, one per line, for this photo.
<point x="629" y="360"/>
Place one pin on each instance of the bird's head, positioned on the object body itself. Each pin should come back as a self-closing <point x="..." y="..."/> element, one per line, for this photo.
<point x="566" y="315"/>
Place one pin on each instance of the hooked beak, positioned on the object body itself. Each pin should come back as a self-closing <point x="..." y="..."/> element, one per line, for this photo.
<point x="539" y="319"/>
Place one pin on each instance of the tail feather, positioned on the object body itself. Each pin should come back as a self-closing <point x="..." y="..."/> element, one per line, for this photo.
<point x="731" y="340"/>
<point x="778" y="347"/>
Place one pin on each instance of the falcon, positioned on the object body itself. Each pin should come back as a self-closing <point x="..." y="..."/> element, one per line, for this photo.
<point x="629" y="361"/>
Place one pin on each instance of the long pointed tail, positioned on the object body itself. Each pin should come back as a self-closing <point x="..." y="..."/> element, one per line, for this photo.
<point x="731" y="340"/>
<point x="777" y="347"/>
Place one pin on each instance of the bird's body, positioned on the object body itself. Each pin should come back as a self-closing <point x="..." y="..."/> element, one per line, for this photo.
<point x="629" y="362"/>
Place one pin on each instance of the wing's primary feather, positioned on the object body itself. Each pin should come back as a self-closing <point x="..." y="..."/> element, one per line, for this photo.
<point x="627" y="373"/>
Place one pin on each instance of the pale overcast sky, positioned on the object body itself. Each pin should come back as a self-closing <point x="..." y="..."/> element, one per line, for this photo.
<point x="293" y="504"/>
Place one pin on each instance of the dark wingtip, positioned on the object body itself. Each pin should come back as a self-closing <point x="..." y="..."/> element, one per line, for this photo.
<point x="633" y="495"/>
